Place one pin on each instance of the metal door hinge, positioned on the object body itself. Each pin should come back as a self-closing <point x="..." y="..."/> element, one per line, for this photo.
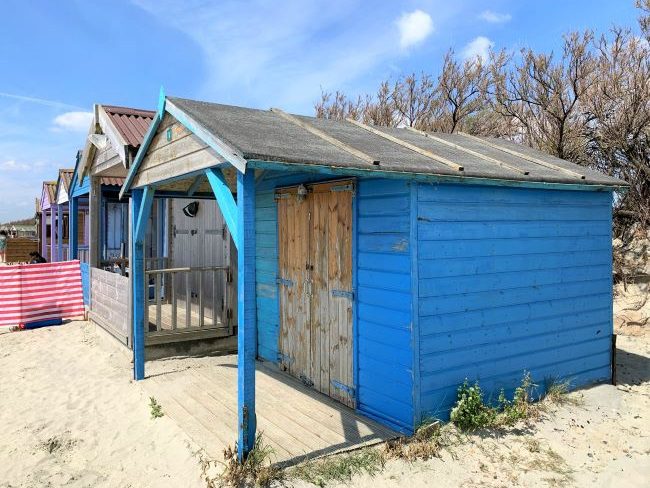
<point x="285" y="282"/>
<point x="340" y="386"/>
<point x="343" y="294"/>
<point x="348" y="187"/>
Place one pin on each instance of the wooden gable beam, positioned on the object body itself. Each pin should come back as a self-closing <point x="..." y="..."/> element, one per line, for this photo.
<point x="532" y="159"/>
<point x="225" y="200"/>
<point x="230" y="154"/>
<point x="326" y="137"/>
<point x="195" y="185"/>
<point x="469" y="151"/>
<point x="408" y="145"/>
<point x="143" y="213"/>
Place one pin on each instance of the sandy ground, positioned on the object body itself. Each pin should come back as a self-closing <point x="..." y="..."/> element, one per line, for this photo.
<point x="70" y="416"/>
<point x="603" y="441"/>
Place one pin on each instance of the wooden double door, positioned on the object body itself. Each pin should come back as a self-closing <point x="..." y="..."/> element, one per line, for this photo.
<point x="315" y="278"/>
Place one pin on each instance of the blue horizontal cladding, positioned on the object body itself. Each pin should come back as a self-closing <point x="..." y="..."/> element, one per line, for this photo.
<point x="511" y="280"/>
<point x="85" y="282"/>
<point x="266" y="270"/>
<point x="82" y="188"/>
<point x="384" y="308"/>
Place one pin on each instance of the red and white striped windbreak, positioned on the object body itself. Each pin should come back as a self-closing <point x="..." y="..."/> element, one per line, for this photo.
<point x="34" y="292"/>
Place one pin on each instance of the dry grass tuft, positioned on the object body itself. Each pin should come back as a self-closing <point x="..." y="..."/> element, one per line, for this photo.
<point x="257" y="470"/>
<point x="340" y="468"/>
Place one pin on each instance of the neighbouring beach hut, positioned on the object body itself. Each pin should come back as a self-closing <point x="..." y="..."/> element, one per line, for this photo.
<point x="63" y="194"/>
<point x="49" y="218"/>
<point x="385" y="266"/>
<point x="188" y="305"/>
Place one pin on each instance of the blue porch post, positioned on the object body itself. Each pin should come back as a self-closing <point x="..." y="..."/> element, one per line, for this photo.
<point x="73" y="228"/>
<point x="141" y="202"/>
<point x="246" y="312"/>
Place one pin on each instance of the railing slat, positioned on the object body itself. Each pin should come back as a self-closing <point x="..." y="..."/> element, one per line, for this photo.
<point x="157" y="293"/>
<point x="201" y="307"/>
<point x="188" y="301"/>
<point x="174" y="306"/>
<point x="214" y="297"/>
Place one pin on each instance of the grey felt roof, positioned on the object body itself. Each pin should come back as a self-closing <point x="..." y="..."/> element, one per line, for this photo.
<point x="267" y="136"/>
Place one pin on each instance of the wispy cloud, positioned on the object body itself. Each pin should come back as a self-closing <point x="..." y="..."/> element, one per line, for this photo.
<point x="494" y="17"/>
<point x="40" y="101"/>
<point x="262" y="55"/>
<point x="72" y="121"/>
<point x="414" y="27"/>
<point x="13" y="165"/>
<point x="478" y="48"/>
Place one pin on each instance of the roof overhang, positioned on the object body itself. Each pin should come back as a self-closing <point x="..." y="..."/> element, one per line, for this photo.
<point x="229" y="154"/>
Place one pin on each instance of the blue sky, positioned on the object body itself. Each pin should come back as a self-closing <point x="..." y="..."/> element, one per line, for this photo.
<point x="57" y="58"/>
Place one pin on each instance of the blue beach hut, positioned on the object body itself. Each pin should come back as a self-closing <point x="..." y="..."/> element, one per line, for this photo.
<point x="384" y="266"/>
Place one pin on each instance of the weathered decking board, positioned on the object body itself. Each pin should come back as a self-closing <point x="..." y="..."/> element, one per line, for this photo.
<point x="200" y="394"/>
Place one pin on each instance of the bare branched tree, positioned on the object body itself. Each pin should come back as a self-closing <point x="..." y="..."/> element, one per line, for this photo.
<point x="540" y="96"/>
<point x="590" y="104"/>
<point x="460" y="94"/>
<point x="618" y="133"/>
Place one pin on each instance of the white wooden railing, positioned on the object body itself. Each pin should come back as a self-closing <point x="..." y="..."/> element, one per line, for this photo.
<point x="176" y="301"/>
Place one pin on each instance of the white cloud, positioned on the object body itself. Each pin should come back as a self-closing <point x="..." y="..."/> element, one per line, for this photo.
<point x="495" y="17"/>
<point x="13" y="165"/>
<point x="73" y="121"/>
<point x="479" y="47"/>
<point x="258" y="55"/>
<point x="414" y="27"/>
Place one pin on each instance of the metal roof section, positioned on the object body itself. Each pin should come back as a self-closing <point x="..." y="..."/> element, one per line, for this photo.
<point x="131" y="123"/>
<point x="275" y="136"/>
<point x="111" y="181"/>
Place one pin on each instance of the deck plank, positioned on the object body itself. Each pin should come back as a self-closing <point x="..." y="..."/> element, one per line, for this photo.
<point x="200" y="395"/>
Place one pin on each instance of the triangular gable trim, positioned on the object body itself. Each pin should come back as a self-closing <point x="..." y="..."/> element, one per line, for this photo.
<point x="231" y="155"/>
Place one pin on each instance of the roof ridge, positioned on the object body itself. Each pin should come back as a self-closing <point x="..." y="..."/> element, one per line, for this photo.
<point x="121" y="110"/>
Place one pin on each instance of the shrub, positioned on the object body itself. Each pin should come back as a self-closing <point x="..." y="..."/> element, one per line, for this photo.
<point x="470" y="413"/>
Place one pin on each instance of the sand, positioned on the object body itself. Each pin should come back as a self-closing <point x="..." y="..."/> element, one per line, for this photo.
<point x="70" y="416"/>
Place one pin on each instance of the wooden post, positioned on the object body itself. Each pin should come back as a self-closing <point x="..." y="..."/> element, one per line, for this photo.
<point x="141" y="201"/>
<point x="44" y="233"/>
<point x="247" y="312"/>
<point x="59" y="233"/>
<point x="73" y="225"/>
<point x="94" y="203"/>
<point x="53" y="219"/>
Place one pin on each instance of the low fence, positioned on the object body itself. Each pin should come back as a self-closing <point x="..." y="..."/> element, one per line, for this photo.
<point x="109" y="303"/>
<point x="188" y="303"/>
<point x="18" y="249"/>
<point x="36" y="292"/>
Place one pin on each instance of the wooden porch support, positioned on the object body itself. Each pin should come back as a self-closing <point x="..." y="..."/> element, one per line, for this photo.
<point x="246" y="311"/>
<point x="94" y="204"/>
<point x="141" y="203"/>
<point x="73" y="226"/>
<point x="44" y="233"/>
<point x="225" y="201"/>
<point x="53" y="219"/>
<point x="59" y="233"/>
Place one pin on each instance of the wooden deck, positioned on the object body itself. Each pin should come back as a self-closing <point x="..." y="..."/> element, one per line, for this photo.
<point x="182" y="321"/>
<point x="200" y="394"/>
